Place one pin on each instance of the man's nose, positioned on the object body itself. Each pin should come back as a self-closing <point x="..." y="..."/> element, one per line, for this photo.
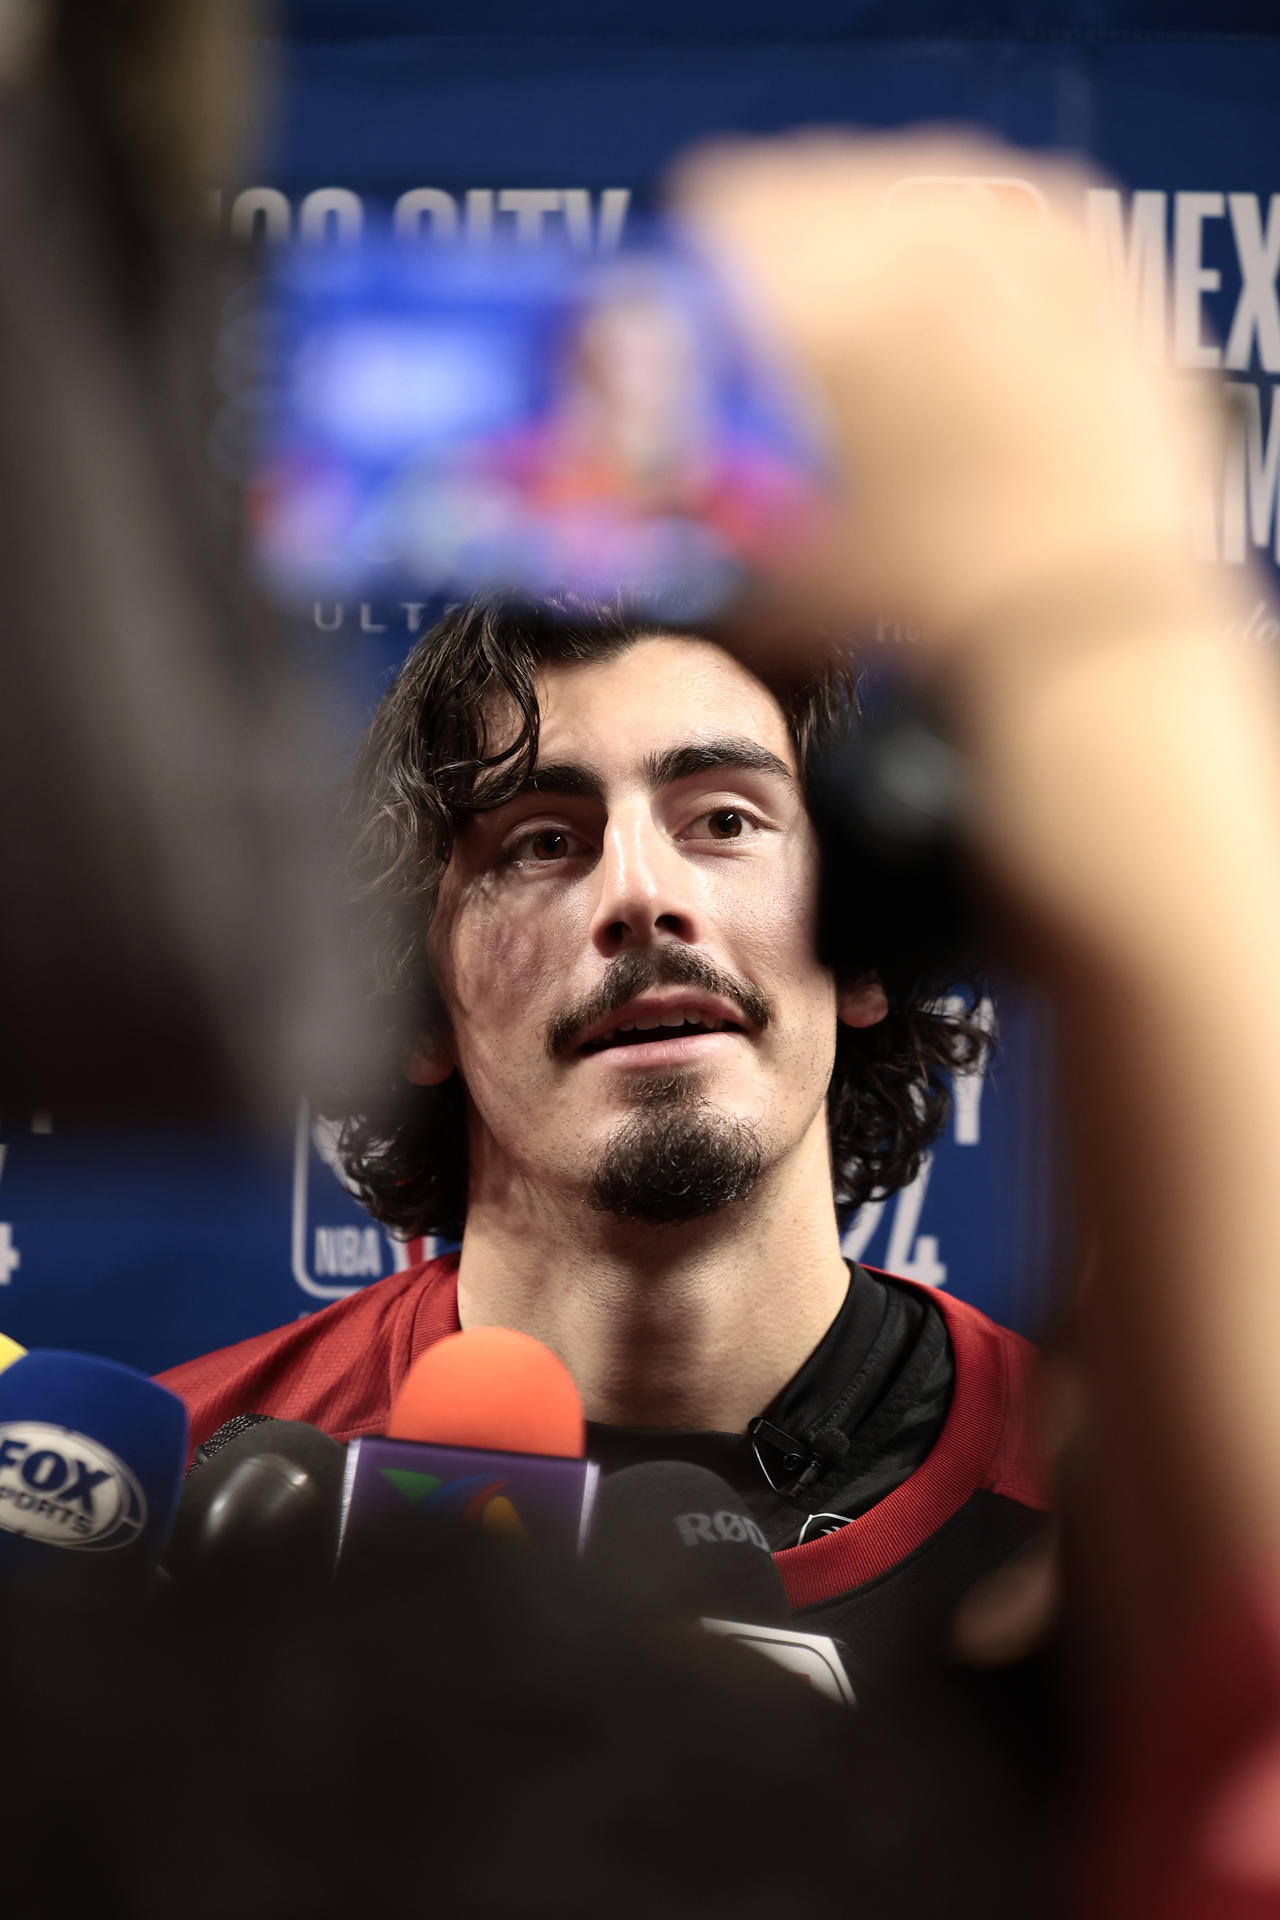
<point x="646" y="887"/>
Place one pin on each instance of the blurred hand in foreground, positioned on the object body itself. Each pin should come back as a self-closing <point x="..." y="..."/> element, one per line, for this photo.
<point x="995" y="429"/>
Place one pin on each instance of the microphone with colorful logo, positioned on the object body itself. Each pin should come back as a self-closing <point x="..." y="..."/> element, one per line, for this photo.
<point x="486" y="1432"/>
<point x="91" y="1459"/>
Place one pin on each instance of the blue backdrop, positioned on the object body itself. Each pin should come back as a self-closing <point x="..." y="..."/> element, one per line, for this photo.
<point x="150" y="1248"/>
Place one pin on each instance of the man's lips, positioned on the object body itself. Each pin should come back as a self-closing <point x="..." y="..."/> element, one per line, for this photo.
<point x="674" y="1020"/>
<point x="671" y="1049"/>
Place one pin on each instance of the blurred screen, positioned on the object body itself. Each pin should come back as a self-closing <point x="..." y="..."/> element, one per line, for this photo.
<point x="441" y="421"/>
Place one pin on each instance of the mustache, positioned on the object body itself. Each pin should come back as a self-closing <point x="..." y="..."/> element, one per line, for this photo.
<point x="641" y="970"/>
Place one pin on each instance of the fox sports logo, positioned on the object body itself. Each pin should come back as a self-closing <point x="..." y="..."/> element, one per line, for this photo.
<point x="60" y="1488"/>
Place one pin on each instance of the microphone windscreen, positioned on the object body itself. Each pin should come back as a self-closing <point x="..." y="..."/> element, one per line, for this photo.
<point x="9" y="1351"/>
<point x="263" y="1507"/>
<point x="91" y="1459"/>
<point x="673" y="1539"/>
<point x="491" y="1388"/>
<point x="229" y="1430"/>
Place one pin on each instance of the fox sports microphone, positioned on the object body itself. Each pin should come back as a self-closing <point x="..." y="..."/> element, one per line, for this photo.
<point x="259" y="1507"/>
<point x="675" y="1542"/>
<point x="91" y="1457"/>
<point x="487" y="1432"/>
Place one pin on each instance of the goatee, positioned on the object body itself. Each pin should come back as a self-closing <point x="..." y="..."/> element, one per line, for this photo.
<point x="678" y="1158"/>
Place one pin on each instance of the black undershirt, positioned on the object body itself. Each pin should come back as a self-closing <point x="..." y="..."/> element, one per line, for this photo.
<point x="854" y="1423"/>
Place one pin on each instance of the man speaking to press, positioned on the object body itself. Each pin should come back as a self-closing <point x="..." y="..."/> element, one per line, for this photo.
<point x="593" y="878"/>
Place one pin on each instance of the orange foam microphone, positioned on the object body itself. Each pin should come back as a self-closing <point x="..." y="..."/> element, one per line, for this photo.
<point x="486" y="1431"/>
<point x="491" y="1388"/>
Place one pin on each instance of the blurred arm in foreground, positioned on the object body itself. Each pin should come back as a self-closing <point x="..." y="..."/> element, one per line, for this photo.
<point x="1018" y="484"/>
<point x="160" y="865"/>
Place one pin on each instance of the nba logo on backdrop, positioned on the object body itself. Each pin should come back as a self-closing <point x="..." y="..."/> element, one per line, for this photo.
<point x="336" y="1247"/>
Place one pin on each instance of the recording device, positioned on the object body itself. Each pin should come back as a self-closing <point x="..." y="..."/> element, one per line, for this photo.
<point x="259" y="1508"/>
<point x="486" y="1432"/>
<point x="91" y="1458"/>
<point x="675" y="1542"/>
<point x="887" y="798"/>
<point x="442" y="421"/>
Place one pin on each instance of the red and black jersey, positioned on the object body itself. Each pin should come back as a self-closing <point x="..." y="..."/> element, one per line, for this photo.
<point x="913" y="1417"/>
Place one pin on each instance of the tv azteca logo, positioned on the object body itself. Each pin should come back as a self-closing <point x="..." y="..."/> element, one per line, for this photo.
<point x="63" y="1489"/>
<point x="476" y="1499"/>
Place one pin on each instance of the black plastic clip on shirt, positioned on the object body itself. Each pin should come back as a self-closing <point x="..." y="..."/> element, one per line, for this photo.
<point x="787" y="1464"/>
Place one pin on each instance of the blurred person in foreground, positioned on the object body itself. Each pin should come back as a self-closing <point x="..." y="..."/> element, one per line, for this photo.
<point x="468" y="1729"/>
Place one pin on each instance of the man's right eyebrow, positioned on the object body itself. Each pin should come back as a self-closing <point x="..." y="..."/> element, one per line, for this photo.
<point x="564" y="779"/>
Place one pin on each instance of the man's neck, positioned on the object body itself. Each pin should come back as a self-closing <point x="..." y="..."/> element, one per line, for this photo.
<point x="692" y="1326"/>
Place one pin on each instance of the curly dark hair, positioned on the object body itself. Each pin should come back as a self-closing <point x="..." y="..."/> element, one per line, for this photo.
<point x="429" y="762"/>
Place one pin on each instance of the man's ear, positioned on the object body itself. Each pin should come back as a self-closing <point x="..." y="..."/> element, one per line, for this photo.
<point x="430" y="1062"/>
<point x="861" y="1003"/>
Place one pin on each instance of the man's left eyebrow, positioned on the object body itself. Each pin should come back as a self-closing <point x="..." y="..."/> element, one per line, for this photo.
<point x="713" y="756"/>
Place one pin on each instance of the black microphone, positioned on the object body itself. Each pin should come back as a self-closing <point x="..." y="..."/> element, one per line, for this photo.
<point x="676" y="1542"/>
<point x="229" y="1430"/>
<point x="260" y="1505"/>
